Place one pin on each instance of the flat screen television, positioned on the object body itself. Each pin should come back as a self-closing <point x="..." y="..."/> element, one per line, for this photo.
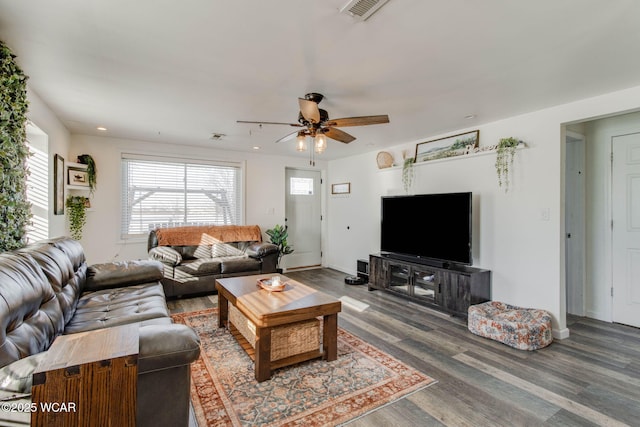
<point x="429" y="228"/>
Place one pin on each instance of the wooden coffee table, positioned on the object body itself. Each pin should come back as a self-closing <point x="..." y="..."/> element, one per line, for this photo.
<point x="270" y="310"/>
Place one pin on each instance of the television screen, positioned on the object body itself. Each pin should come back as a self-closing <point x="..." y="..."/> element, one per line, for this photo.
<point x="428" y="227"/>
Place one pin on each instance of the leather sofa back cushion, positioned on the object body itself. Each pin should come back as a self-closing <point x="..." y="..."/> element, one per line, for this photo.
<point x="59" y="270"/>
<point x="30" y="315"/>
<point x="123" y="273"/>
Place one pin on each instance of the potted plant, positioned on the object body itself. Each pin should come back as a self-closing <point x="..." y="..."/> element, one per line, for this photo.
<point x="77" y="211"/>
<point x="505" y="153"/>
<point x="278" y="236"/>
<point x="92" y="172"/>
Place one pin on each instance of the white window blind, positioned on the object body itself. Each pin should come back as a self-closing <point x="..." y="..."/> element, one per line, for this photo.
<point x="164" y="192"/>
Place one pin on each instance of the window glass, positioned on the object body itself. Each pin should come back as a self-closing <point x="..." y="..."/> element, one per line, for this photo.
<point x="172" y="192"/>
<point x="301" y="186"/>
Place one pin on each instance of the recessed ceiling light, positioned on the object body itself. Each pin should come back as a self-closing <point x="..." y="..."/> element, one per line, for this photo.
<point x="101" y="128"/>
<point x="470" y="116"/>
<point x="255" y="147"/>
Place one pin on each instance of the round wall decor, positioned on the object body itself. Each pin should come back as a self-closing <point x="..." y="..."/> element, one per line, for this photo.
<point x="385" y="160"/>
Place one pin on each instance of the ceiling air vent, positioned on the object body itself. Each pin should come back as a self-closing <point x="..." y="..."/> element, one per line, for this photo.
<point x="362" y="9"/>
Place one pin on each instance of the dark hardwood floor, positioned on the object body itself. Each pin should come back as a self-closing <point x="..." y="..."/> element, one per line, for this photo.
<point x="589" y="379"/>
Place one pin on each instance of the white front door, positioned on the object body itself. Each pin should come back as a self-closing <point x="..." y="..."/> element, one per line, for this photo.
<point x="303" y="218"/>
<point x="625" y="198"/>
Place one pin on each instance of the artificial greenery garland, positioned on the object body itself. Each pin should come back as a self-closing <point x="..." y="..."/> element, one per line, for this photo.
<point x="505" y="153"/>
<point x="15" y="210"/>
<point x="77" y="214"/>
<point x="407" y="173"/>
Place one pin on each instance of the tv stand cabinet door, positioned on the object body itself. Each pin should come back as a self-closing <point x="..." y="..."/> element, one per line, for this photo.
<point x="455" y="292"/>
<point x="378" y="277"/>
<point x="426" y="285"/>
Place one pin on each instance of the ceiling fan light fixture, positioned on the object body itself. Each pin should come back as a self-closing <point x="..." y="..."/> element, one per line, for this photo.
<point x="301" y="142"/>
<point x="320" y="143"/>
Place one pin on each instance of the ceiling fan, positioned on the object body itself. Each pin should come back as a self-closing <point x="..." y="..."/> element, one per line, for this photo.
<point x="317" y="124"/>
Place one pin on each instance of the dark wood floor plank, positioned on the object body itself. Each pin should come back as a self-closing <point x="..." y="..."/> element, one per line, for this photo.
<point x="591" y="378"/>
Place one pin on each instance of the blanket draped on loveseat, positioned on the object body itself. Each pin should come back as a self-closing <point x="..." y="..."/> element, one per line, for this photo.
<point x="207" y="235"/>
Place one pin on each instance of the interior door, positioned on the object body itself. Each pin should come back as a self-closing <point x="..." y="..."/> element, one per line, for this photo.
<point x="625" y="198"/>
<point x="303" y="218"/>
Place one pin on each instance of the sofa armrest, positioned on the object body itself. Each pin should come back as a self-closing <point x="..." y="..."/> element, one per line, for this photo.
<point x="166" y="346"/>
<point x="166" y="255"/>
<point x="261" y="249"/>
<point x="123" y="273"/>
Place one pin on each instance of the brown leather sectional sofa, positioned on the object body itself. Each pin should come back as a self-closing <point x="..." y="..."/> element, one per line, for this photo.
<point x="47" y="289"/>
<point x="195" y="256"/>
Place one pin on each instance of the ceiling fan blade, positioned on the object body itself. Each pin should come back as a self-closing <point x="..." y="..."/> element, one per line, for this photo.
<point x="270" y="123"/>
<point x="359" y="121"/>
<point x="288" y="137"/>
<point x="338" y="135"/>
<point x="309" y="110"/>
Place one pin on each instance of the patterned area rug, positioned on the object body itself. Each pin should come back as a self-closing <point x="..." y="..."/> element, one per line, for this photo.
<point x="315" y="393"/>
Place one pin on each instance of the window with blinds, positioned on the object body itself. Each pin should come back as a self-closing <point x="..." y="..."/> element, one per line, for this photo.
<point x="165" y="192"/>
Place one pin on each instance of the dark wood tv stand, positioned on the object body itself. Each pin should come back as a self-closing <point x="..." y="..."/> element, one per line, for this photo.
<point x="451" y="289"/>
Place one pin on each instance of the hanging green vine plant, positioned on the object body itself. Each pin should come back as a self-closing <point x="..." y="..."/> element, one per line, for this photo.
<point x="505" y="153"/>
<point x="15" y="210"/>
<point x="408" y="173"/>
<point x="77" y="214"/>
<point x="92" y="171"/>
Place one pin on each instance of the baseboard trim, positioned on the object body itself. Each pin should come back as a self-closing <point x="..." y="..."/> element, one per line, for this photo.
<point x="560" y="334"/>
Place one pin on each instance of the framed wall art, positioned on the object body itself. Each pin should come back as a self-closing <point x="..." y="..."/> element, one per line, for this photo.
<point x="78" y="177"/>
<point x="449" y="146"/>
<point x="58" y="185"/>
<point x="342" y="188"/>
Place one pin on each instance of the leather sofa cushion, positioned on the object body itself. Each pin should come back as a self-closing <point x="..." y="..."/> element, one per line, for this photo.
<point x="118" y="306"/>
<point x="225" y="249"/>
<point x="124" y="273"/>
<point x="239" y="264"/>
<point x="198" y="267"/>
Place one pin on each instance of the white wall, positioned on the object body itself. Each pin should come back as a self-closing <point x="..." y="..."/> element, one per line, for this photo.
<point x="599" y="133"/>
<point x="512" y="236"/>
<point x="264" y="186"/>
<point x="59" y="140"/>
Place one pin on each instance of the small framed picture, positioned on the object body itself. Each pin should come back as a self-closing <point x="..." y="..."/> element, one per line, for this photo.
<point x="78" y="177"/>
<point x="342" y="188"/>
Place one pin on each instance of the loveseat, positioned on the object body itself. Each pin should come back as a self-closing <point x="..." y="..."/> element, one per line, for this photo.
<point x="195" y="256"/>
<point x="47" y="289"/>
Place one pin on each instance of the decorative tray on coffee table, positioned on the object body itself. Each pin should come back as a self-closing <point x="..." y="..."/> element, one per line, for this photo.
<point x="267" y="284"/>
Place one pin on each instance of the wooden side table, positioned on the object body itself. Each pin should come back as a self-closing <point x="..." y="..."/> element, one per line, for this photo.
<point x="88" y="378"/>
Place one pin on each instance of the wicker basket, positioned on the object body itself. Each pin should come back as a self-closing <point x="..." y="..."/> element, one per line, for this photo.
<point x="286" y="340"/>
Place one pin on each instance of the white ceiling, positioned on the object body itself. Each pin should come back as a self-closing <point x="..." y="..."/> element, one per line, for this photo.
<point x="177" y="71"/>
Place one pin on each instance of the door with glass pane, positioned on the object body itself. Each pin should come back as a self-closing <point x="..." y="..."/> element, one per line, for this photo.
<point x="303" y="218"/>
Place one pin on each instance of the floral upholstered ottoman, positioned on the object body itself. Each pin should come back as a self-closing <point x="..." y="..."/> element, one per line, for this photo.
<point x="517" y="327"/>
